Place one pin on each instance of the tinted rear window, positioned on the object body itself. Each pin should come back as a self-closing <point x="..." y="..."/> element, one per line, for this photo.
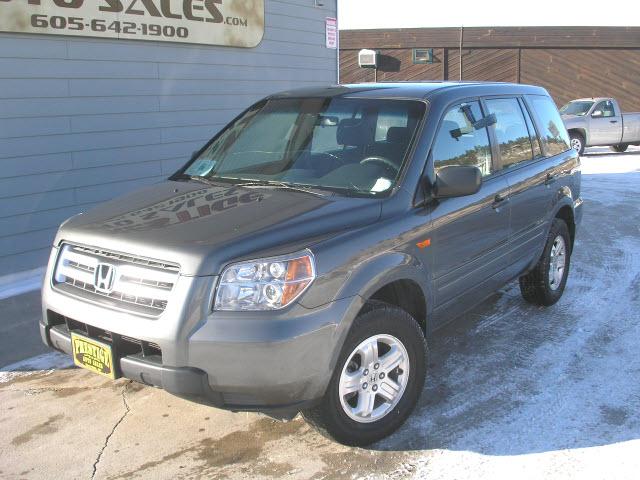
<point x="511" y="131"/>
<point x="552" y="131"/>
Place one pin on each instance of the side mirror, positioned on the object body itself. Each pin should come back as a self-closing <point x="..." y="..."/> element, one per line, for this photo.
<point x="457" y="181"/>
<point x="597" y="113"/>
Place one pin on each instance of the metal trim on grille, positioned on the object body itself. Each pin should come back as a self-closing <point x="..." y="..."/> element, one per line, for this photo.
<point x="140" y="285"/>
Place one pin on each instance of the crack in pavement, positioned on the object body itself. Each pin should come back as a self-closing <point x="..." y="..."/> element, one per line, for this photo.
<point x="106" y="441"/>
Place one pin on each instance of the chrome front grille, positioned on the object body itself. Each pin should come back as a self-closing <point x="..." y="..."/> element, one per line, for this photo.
<point x="137" y="284"/>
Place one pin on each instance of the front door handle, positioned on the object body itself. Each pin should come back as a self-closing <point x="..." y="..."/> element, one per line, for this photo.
<point x="613" y="121"/>
<point x="550" y="179"/>
<point x="498" y="201"/>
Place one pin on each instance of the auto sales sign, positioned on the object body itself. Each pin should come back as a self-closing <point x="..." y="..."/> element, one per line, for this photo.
<point x="236" y="23"/>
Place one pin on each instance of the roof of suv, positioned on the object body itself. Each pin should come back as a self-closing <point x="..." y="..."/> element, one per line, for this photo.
<point x="415" y="90"/>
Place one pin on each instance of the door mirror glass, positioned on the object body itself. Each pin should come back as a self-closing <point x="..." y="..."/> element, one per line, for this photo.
<point x="597" y="113"/>
<point x="457" y="181"/>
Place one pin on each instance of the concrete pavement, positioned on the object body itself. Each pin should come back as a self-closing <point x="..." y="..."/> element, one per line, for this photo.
<point x="513" y="390"/>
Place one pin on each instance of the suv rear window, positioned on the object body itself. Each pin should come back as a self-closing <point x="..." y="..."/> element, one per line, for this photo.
<point x="554" y="134"/>
<point x="511" y="131"/>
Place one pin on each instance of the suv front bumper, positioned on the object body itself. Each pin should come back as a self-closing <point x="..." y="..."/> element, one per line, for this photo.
<point x="185" y="382"/>
<point x="274" y="362"/>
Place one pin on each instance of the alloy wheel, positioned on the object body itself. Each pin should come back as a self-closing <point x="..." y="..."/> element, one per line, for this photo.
<point x="374" y="378"/>
<point x="557" y="262"/>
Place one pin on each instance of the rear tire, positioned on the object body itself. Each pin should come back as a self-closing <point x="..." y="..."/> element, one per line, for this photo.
<point x="577" y="142"/>
<point x="343" y="414"/>
<point x="619" y="148"/>
<point x="545" y="284"/>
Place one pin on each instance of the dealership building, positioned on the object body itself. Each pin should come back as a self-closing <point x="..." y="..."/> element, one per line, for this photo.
<point x="570" y="62"/>
<point x="100" y="97"/>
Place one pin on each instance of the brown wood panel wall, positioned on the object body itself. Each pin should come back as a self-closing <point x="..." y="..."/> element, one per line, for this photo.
<point x="567" y="73"/>
<point x="393" y="65"/>
<point x="484" y="64"/>
<point x="500" y="65"/>
<point x="574" y="73"/>
<point x="350" y="71"/>
<point x="492" y="37"/>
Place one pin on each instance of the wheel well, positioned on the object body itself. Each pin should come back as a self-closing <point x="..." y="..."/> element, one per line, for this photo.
<point x="407" y="295"/>
<point x="566" y="214"/>
<point x="579" y="132"/>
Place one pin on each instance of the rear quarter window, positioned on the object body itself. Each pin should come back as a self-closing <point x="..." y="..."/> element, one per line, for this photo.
<point x="552" y="131"/>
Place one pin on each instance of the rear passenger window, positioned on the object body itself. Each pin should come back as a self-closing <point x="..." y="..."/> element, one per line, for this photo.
<point x="535" y="141"/>
<point x="511" y="131"/>
<point x="459" y="143"/>
<point x="552" y="131"/>
<point x="392" y="116"/>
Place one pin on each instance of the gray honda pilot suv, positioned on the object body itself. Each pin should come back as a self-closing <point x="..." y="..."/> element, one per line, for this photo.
<point x="301" y="260"/>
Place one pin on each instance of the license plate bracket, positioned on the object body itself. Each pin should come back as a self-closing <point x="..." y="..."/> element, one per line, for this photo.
<point x="93" y="355"/>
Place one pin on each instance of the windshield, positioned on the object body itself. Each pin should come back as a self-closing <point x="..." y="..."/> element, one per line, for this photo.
<point x="345" y="145"/>
<point x="576" y="108"/>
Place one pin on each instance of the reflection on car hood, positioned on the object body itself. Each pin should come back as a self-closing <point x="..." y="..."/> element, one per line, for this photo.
<point x="203" y="228"/>
<point x="573" y="120"/>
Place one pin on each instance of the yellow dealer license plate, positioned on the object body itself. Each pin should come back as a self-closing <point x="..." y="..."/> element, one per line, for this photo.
<point x="92" y="355"/>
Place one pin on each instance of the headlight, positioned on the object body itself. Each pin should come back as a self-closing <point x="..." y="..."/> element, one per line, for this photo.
<point x="265" y="284"/>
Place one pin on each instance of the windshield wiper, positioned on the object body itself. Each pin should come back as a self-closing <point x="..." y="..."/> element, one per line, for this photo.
<point x="278" y="184"/>
<point x="198" y="178"/>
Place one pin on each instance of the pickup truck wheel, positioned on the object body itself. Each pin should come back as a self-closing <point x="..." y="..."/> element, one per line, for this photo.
<point x="545" y="283"/>
<point x="620" y="148"/>
<point x="377" y="380"/>
<point x="577" y="142"/>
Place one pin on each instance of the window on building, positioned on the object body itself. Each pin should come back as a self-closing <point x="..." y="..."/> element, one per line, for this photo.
<point x="422" y="55"/>
<point x="459" y="143"/>
<point x="511" y="131"/>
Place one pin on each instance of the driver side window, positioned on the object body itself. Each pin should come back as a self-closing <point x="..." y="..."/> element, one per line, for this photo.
<point x="606" y="107"/>
<point x="459" y="143"/>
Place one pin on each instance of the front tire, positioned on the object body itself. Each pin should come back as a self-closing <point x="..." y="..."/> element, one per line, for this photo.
<point x="577" y="142"/>
<point x="619" y="148"/>
<point x="545" y="284"/>
<point x="377" y="380"/>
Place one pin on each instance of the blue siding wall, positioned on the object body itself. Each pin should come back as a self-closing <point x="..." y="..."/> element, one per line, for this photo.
<point x="83" y="120"/>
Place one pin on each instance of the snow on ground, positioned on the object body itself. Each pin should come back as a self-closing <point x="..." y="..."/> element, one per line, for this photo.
<point x="518" y="391"/>
<point x="514" y="391"/>
<point x="46" y="362"/>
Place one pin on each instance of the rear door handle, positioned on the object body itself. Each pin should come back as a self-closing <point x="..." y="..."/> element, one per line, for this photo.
<point x="498" y="201"/>
<point x="613" y="121"/>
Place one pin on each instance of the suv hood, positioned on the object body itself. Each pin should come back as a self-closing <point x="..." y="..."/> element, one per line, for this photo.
<point x="202" y="228"/>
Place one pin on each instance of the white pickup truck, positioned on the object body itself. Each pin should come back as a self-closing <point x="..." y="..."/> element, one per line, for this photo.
<point x="599" y="121"/>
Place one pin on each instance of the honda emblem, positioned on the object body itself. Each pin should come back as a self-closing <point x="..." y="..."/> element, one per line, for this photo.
<point x="104" y="277"/>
